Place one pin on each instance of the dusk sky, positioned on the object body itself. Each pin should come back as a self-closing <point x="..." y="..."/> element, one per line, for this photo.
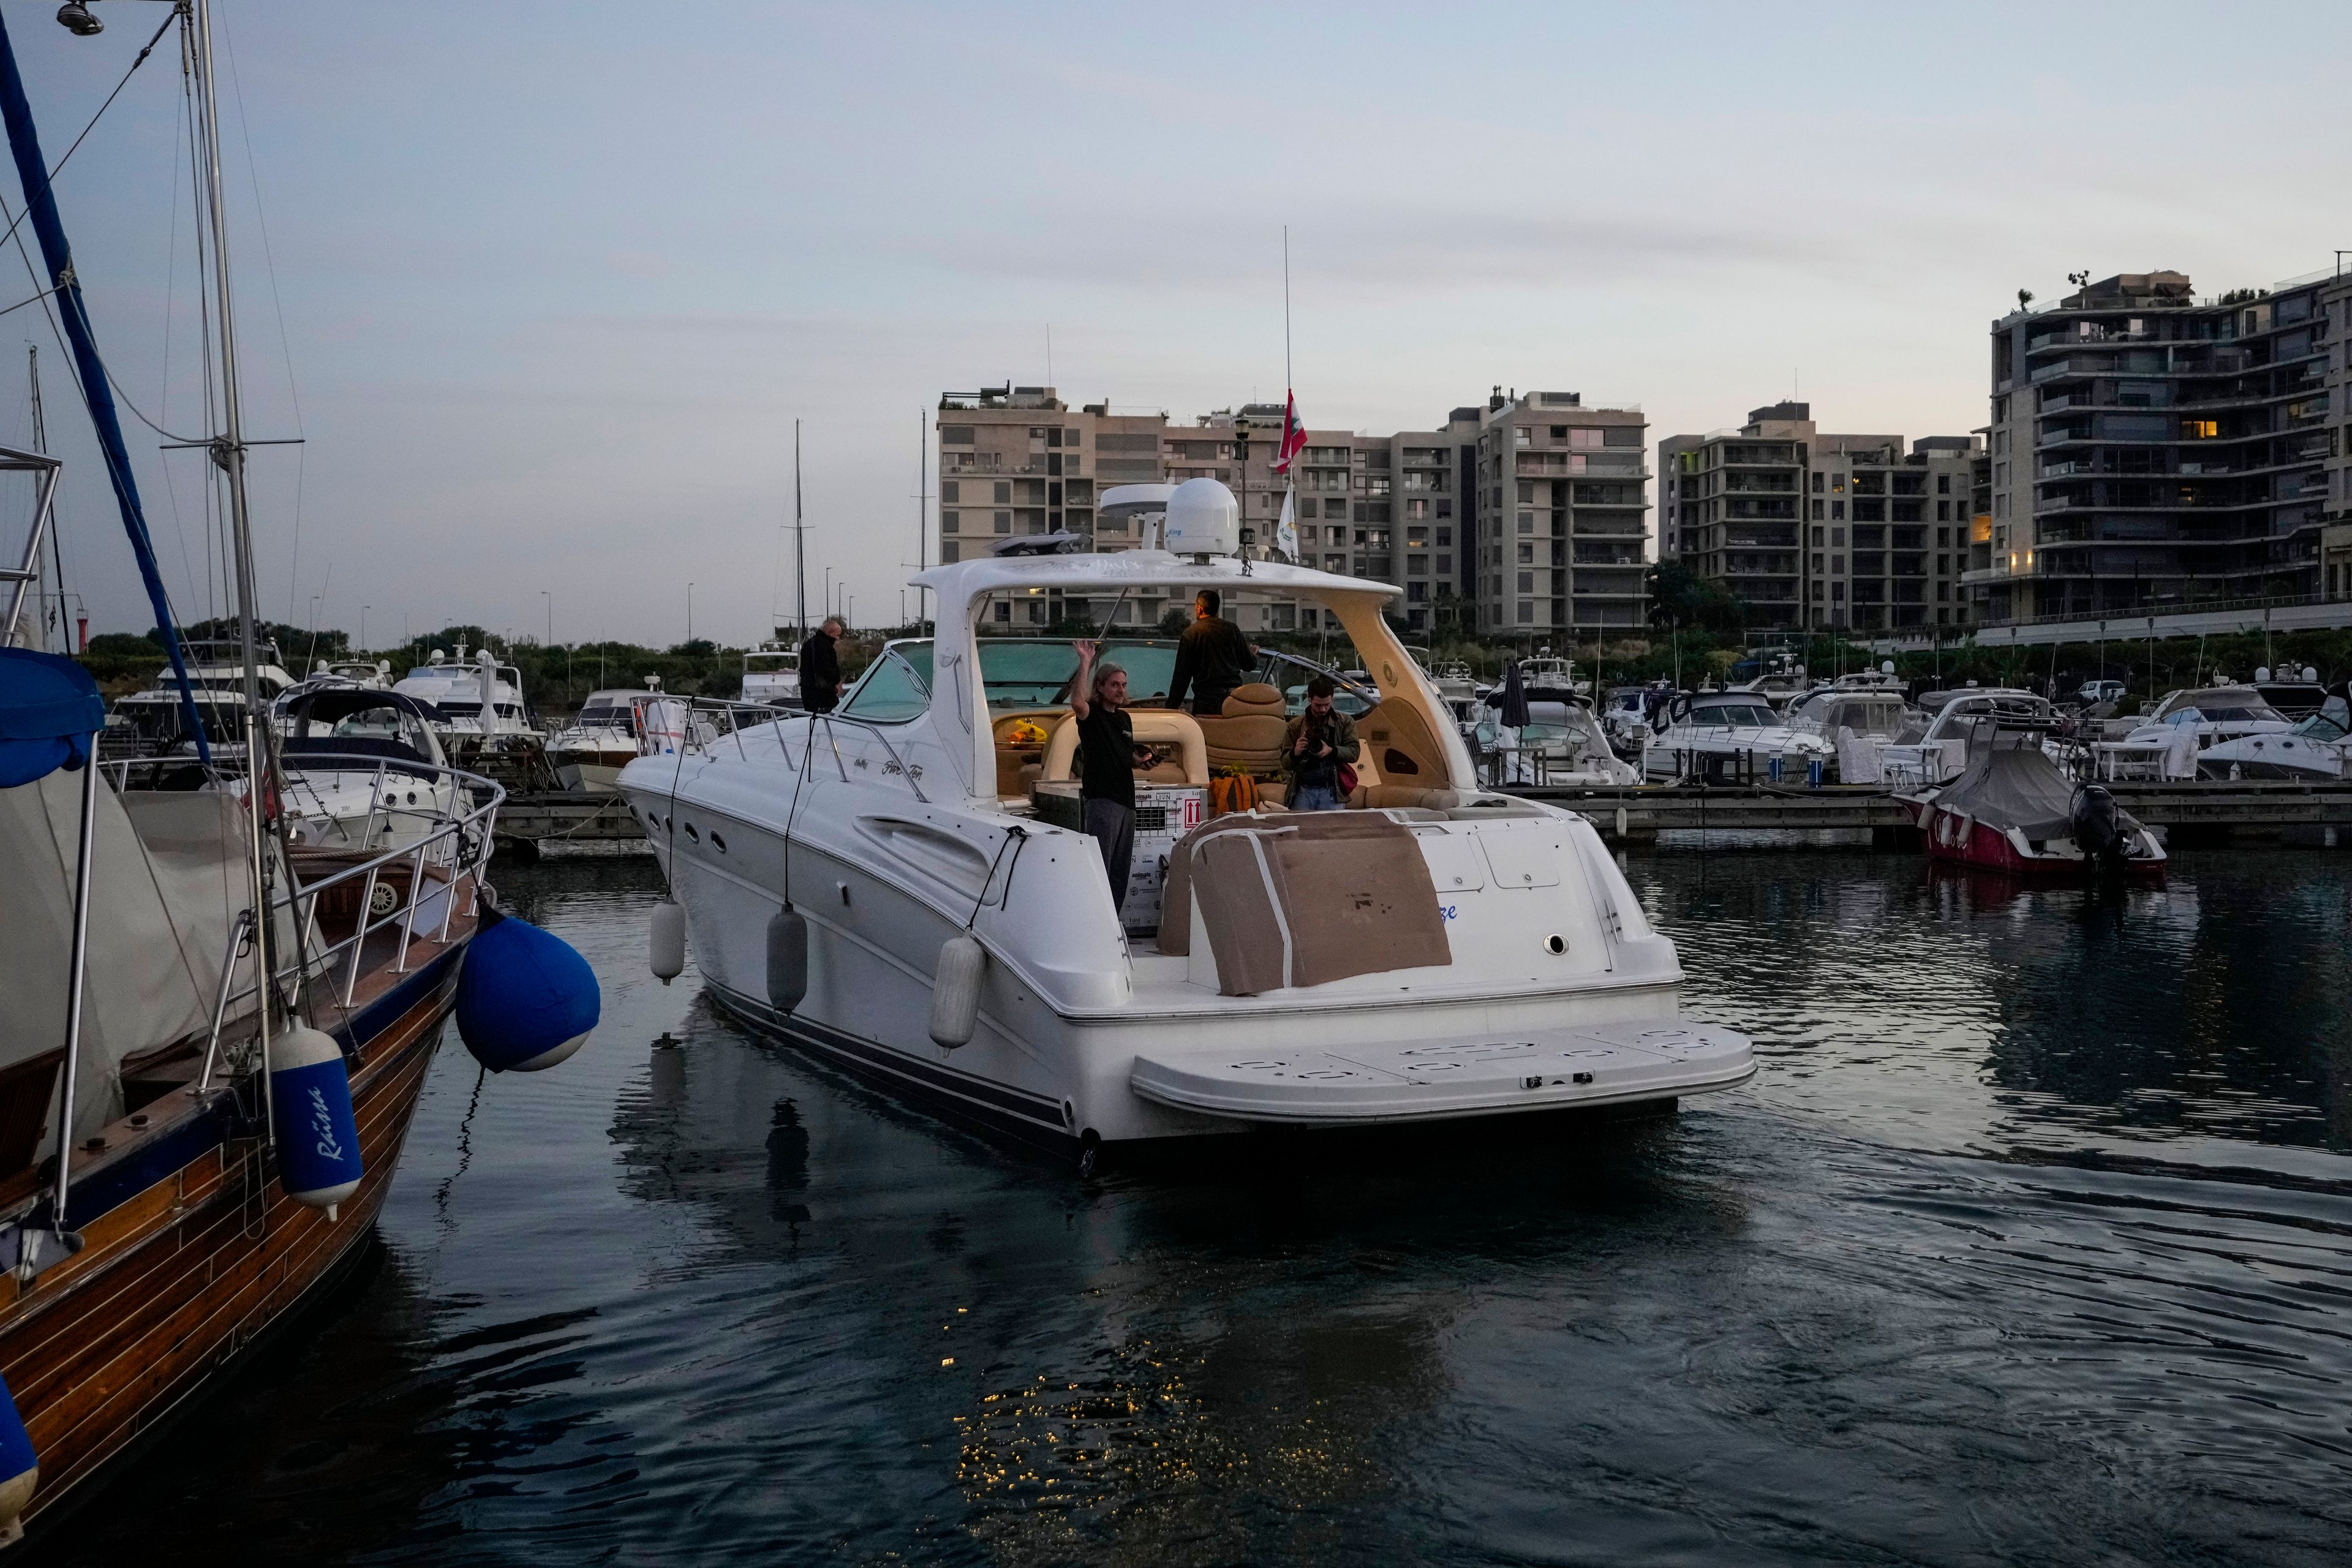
<point x="544" y="287"/>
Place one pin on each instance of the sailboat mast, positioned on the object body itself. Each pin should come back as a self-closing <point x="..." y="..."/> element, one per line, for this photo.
<point x="800" y="545"/>
<point x="228" y="446"/>
<point x="227" y="450"/>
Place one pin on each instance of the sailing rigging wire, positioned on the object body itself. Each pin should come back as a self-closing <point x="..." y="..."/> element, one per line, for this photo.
<point x="278" y="304"/>
<point x="58" y="167"/>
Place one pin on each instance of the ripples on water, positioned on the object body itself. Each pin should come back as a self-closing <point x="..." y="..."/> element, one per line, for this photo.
<point x="2030" y="1243"/>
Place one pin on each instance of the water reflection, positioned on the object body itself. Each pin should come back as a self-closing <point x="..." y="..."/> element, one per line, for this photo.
<point x="2210" y="1007"/>
<point x="2029" y="1244"/>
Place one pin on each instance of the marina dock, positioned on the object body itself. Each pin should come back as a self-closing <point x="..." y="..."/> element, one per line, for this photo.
<point x="2312" y="815"/>
<point x="530" y="823"/>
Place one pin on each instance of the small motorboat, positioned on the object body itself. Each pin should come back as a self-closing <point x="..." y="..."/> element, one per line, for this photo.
<point x="1710" y="733"/>
<point x="2231" y="731"/>
<point x="1860" y="723"/>
<point x="589" y="754"/>
<point x="2011" y="810"/>
<point x="772" y="675"/>
<point x="363" y="769"/>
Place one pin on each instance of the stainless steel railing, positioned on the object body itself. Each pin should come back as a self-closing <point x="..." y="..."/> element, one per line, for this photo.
<point x="438" y="862"/>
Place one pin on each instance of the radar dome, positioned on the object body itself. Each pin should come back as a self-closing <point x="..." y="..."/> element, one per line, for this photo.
<point x="1203" y="519"/>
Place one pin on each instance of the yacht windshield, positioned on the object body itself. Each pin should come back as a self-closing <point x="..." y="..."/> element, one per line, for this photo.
<point x="2321" y="726"/>
<point x="1738" y="715"/>
<point x="1030" y="672"/>
<point x="2238" y="712"/>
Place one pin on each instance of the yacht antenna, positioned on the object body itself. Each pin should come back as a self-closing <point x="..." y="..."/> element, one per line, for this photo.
<point x="922" y="506"/>
<point x="800" y="546"/>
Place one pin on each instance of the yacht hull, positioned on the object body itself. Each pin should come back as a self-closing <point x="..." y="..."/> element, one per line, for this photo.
<point x="193" y="1254"/>
<point x="1110" y="1073"/>
<point x="1962" y="841"/>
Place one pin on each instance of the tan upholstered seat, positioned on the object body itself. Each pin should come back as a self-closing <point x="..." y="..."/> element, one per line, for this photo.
<point x="1248" y="734"/>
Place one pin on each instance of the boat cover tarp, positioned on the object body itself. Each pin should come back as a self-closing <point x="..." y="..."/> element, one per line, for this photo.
<point x="50" y="712"/>
<point x="1349" y="889"/>
<point x="168" y="871"/>
<point x="2013" y="786"/>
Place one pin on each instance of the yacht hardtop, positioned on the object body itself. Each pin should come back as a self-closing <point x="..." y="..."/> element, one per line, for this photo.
<point x="901" y="885"/>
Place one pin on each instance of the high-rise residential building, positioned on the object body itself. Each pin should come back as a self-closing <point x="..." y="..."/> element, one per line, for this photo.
<point x="1564" y="496"/>
<point x="2151" y="450"/>
<point x="1563" y="485"/>
<point x="1813" y="529"/>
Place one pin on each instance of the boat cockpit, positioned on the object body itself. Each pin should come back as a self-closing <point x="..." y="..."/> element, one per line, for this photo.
<point x="1027" y="680"/>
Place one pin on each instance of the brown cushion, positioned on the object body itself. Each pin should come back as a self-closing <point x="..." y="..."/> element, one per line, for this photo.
<point x="1251" y="740"/>
<point x="1256" y="698"/>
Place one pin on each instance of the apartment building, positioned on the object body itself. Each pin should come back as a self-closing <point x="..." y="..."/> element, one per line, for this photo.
<point x="2151" y="450"/>
<point x="1814" y="529"/>
<point x="1402" y="508"/>
<point x="1565" y="492"/>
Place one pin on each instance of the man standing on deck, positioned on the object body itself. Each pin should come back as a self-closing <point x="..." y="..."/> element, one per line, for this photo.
<point x="821" y="668"/>
<point x="1107" y="757"/>
<point x="1212" y="657"/>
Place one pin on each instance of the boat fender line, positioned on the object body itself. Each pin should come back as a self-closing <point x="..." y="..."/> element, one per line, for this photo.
<point x="788" y="959"/>
<point x="318" y="1140"/>
<point x="20" y="1467"/>
<point x="963" y="960"/>
<point x="667" y="943"/>
<point x="525" y="999"/>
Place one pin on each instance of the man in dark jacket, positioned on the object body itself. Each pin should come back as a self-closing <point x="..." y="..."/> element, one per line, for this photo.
<point x="1212" y="658"/>
<point x="821" y="668"/>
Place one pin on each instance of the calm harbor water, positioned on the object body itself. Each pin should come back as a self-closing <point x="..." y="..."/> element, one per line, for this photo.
<point x="2033" y="1242"/>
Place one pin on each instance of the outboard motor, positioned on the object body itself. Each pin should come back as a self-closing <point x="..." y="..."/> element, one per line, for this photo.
<point x="2099" y="828"/>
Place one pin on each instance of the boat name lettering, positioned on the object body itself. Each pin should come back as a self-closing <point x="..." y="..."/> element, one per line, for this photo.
<point x="323" y="1120"/>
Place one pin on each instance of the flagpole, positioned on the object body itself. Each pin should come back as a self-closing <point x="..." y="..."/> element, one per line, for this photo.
<point x="1288" y="385"/>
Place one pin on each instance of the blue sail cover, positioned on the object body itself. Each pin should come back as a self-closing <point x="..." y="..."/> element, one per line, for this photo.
<point x="50" y="712"/>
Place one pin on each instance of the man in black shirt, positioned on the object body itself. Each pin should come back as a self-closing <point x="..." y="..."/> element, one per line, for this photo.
<point x="1212" y="658"/>
<point x="821" y="668"/>
<point x="1108" y="758"/>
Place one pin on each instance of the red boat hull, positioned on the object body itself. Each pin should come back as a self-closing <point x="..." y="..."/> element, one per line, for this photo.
<point x="1963" y="841"/>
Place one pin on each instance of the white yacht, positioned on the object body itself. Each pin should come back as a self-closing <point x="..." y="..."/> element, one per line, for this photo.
<point x="375" y="674"/>
<point x="896" y="886"/>
<point x="153" y="722"/>
<point x="1561" y="743"/>
<point x="2232" y="732"/>
<point x="1546" y="668"/>
<point x="771" y="675"/>
<point x="363" y="768"/>
<point x="1938" y="751"/>
<point x="1712" y="732"/>
<point x="476" y="701"/>
<point x="1860" y="723"/>
<point x="602" y="739"/>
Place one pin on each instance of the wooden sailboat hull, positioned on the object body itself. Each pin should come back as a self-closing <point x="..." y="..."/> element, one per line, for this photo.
<point x="192" y="1251"/>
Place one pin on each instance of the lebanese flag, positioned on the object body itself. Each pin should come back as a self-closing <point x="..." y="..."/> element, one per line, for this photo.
<point x="1294" y="437"/>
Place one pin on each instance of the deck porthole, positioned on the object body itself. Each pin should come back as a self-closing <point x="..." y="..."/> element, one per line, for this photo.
<point x="692" y="837"/>
<point x="1555" y="944"/>
<point x="717" y="842"/>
